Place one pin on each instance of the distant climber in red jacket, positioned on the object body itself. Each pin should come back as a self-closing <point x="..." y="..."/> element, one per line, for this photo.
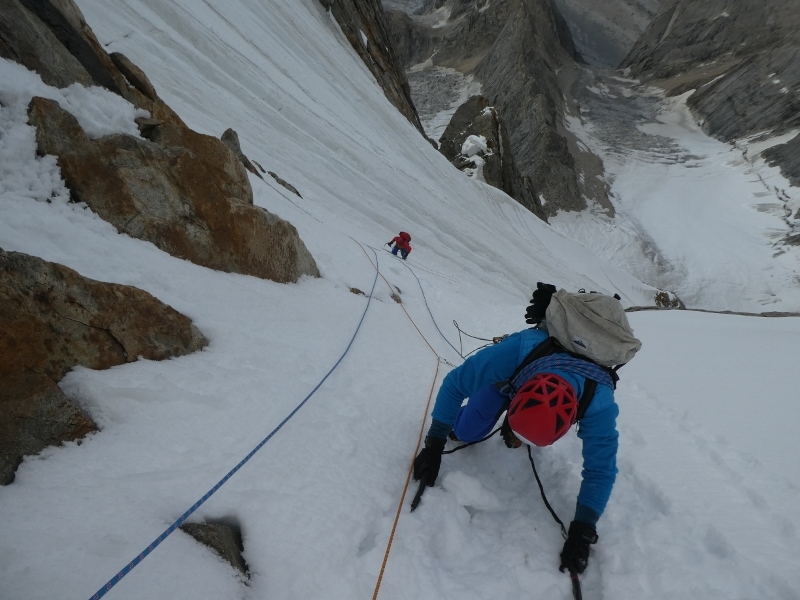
<point x="401" y="243"/>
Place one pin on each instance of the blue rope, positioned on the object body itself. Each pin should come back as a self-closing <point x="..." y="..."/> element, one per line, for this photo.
<point x="563" y="361"/>
<point x="435" y="324"/>
<point x="129" y="567"/>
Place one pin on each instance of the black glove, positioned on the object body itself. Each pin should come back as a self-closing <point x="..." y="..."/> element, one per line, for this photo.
<point x="388" y="243"/>
<point x="428" y="461"/>
<point x="575" y="555"/>
<point x="539" y="302"/>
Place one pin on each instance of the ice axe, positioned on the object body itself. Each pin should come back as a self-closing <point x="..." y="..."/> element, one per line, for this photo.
<point x="576" y="584"/>
<point x="423" y="483"/>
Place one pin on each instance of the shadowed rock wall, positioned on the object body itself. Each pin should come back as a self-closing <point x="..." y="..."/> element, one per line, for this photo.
<point x="743" y="58"/>
<point x="476" y="117"/>
<point x="515" y="49"/>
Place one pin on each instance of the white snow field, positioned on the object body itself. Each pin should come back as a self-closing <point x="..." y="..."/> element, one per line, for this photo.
<point x="700" y="217"/>
<point x="704" y="505"/>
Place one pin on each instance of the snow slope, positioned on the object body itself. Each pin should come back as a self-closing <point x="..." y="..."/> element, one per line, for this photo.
<point x="694" y="215"/>
<point x="703" y="504"/>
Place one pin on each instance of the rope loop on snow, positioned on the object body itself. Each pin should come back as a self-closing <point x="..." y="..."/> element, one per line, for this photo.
<point x="425" y="298"/>
<point x="129" y="567"/>
<point x="421" y="428"/>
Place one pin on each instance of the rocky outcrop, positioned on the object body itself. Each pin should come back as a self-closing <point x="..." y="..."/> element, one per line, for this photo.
<point x="224" y="539"/>
<point x="520" y="78"/>
<point x="413" y="41"/>
<point x="53" y="319"/>
<point x="28" y="40"/>
<point x="192" y="200"/>
<point x="743" y="58"/>
<point x="519" y="50"/>
<point x="364" y="24"/>
<point x="492" y="155"/>
<point x="285" y="184"/>
<point x="668" y="300"/>
<point x="185" y="192"/>
<point x="604" y="32"/>
<point x="787" y="157"/>
<point x="231" y="139"/>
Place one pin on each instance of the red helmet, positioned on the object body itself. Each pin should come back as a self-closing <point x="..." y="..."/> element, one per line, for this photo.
<point x="543" y="409"/>
<point x="405" y="236"/>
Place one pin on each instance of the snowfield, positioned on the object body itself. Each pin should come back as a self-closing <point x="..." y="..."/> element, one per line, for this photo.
<point x="704" y="501"/>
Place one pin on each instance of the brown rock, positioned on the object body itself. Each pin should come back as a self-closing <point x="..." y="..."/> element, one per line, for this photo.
<point x="185" y="192"/>
<point x="231" y="139"/>
<point x="34" y="414"/>
<point x="135" y="76"/>
<point x="53" y="319"/>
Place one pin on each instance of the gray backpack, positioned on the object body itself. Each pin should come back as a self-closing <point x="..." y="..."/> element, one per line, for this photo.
<point x="592" y="325"/>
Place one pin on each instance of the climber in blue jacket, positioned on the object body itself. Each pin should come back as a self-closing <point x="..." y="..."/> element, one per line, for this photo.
<point x="541" y="405"/>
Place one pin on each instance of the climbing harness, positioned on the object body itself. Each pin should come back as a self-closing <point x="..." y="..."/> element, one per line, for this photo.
<point x="129" y="567"/>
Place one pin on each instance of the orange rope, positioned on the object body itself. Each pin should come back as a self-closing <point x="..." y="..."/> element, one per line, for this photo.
<point x="405" y="489"/>
<point x="419" y="437"/>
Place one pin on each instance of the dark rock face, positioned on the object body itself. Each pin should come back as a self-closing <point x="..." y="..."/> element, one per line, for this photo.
<point x="25" y="39"/>
<point x="519" y="78"/>
<point x="364" y="24"/>
<point x="285" y="184"/>
<point x="741" y="57"/>
<point x="414" y="42"/>
<point x="519" y="51"/>
<point x="668" y="300"/>
<point x="185" y="192"/>
<point x="223" y="539"/>
<point x="192" y="200"/>
<point x="53" y="319"/>
<point x="477" y="118"/>
<point x="604" y="32"/>
<point x="787" y="156"/>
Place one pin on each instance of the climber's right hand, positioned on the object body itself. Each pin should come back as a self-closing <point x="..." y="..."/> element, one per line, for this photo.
<point x="428" y="461"/>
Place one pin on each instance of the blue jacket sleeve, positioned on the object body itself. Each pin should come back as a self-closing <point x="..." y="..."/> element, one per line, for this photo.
<point x="598" y="432"/>
<point x="490" y="365"/>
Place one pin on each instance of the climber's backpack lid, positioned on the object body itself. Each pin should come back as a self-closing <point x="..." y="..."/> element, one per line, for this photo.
<point x="592" y="325"/>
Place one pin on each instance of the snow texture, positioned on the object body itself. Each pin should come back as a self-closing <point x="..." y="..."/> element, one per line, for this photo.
<point x="704" y="504"/>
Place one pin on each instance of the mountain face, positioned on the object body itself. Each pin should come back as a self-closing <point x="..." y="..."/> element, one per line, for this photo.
<point x="742" y="58"/>
<point x="604" y="32"/>
<point x="476" y="139"/>
<point x="522" y="53"/>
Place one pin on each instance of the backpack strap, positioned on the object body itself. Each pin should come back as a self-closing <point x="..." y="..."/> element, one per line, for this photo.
<point x="589" y="388"/>
<point x="552" y="346"/>
<point x="546" y="348"/>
